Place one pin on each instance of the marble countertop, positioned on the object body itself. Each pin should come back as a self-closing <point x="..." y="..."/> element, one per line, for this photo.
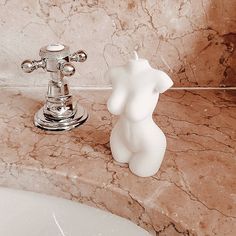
<point x="194" y="193"/>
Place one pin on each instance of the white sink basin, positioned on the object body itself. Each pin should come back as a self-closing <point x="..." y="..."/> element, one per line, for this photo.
<point x="30" y="214"/>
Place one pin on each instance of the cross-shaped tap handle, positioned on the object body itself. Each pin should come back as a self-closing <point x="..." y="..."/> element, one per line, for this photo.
<point x="54" y="58"/>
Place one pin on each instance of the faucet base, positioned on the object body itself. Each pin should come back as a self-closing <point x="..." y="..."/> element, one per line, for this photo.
<point x="44" y="122"/>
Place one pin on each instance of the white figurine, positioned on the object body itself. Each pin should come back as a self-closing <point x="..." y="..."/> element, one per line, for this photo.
<point x="136" y="139"/>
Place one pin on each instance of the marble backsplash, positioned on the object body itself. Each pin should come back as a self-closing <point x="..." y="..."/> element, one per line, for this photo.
<point x="193" y="41"/>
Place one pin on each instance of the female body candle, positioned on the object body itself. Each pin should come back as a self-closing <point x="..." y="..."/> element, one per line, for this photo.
<point x="135" y="138"/>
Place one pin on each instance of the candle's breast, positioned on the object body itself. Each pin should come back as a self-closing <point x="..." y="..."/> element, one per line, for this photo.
<point x="140" y="104"/>
<point x="117" y="100"/>
<point x="133" y="96"/>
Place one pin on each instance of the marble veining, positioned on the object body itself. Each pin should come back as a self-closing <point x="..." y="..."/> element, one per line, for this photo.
<point x="194" y="193"/>
<point x="193" y="41"/>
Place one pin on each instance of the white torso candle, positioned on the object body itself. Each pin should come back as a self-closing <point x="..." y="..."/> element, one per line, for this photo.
<point x="135" y="138"/>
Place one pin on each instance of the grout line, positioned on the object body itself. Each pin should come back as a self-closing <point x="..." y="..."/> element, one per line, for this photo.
<point x="175" y="88"/>
<point x="109" y="88"/>
<point x="203" y="88"/>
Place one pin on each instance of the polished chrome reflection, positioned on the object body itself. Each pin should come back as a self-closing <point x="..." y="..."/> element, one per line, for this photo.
<point x="60" y="112"/>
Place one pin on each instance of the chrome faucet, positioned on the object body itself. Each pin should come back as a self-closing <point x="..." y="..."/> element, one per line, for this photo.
<point x="60" y="112"/>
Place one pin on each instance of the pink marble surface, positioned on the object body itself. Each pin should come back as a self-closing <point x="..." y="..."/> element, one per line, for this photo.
<point x="194" y="193"/>
<point x="193" y="40"/>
